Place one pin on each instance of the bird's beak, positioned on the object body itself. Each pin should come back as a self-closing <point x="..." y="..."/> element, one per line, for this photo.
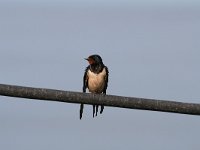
<point x="86" y="59"/>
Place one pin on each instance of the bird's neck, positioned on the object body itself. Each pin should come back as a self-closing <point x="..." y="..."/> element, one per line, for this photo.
<point x="96" y="68"/>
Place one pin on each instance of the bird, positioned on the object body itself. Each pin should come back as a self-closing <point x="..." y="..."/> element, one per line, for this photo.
<point x="95" y="79"/>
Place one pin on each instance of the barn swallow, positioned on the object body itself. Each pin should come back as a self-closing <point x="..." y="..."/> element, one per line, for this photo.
<point x="95" y="79"/>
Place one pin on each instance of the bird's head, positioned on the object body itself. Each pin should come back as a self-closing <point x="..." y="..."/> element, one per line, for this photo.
<point x="94" y="60"/>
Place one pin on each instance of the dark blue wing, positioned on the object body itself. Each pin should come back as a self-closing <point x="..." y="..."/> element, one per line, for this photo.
<point x="85" y="80"/>
<point x="106" y="80"/>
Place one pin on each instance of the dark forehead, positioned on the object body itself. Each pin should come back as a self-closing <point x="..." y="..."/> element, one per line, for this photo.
<point x="95" y="56"/>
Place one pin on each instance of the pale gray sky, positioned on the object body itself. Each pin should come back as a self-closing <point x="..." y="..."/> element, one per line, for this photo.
<point x="151" y="52"/>
<point x="110" y="3"/>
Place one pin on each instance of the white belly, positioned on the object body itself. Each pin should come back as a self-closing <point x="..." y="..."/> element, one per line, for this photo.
<point x="96" y="82"/>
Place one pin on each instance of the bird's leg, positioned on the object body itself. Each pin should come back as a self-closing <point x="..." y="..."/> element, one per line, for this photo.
<point x="97" y="106"/>
<point x="101" y="111"/>
<point x="93" y="110"/>
<point x="81" y="110"/>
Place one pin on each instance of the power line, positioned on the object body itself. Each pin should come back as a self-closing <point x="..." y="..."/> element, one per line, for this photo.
<point x="99" y="99"/>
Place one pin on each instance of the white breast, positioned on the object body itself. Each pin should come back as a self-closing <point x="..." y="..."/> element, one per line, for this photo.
<point x="96" y="82"/>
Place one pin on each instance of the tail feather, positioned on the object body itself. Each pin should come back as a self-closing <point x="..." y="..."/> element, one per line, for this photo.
<point x="93" y="110"/>
<point x="97" y="107"/>
<point x="81" y="110"/>
<point x="102" y="108"/>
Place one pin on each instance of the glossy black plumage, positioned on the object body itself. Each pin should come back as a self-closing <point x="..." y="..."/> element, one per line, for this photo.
<point x="95" y="79"/>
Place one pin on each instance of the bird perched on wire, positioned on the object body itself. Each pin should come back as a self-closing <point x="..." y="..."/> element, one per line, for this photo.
<point x="95" y="79"/>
